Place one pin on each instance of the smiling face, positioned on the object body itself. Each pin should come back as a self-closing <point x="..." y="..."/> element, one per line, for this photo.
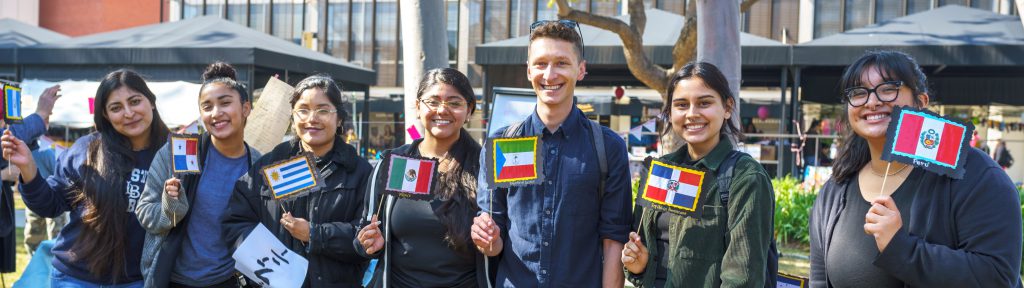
<point x="553" y="68"/>
<point x="871" y="120"/>
<point x="130" y="113"/>
<point x="317" y="129"/>
<point x="222" y="111"/>
<point x="445" y="121"/>
<point x="698" y="113"/>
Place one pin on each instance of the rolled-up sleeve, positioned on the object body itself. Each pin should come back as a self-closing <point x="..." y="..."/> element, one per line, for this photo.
<point x="616" y="212"/>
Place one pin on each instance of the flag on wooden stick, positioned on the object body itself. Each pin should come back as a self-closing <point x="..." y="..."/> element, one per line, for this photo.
<point x="184" y="150"/>
<point x="514" y="161"/>
<point x="292" y="177"/>
<point x="409" y="176"/>
<point x="924" y="139"/>
<point x="671" y="187"/>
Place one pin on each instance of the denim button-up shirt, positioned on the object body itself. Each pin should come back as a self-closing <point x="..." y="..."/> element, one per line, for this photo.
<point x="553" y="232"/>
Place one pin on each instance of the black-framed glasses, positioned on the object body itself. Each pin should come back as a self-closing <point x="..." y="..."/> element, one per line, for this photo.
<point x="885" y="92"/>
<point x="564" y="22"/>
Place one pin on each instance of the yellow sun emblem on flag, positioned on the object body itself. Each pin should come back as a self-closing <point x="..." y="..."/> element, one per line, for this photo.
<point x="276" y="176"/>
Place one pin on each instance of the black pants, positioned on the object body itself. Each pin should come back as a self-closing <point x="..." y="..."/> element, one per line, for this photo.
<point x="230" y="283"/>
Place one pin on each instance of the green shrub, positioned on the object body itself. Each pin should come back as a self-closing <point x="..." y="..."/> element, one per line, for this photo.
<point x="792" y="211"/>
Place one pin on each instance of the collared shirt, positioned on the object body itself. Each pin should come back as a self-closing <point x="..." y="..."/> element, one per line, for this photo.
<point x="553" y="232"/>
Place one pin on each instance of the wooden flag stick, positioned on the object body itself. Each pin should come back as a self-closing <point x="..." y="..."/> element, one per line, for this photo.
<point x="884" y="177"/>
<point x="282" y="206"/>
<point x="379" y="205"/>
<point x="174" y="215"/>
<point x="642" y="216"/>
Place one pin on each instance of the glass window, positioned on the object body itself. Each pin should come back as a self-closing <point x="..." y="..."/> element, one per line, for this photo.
<point x="606" y="7"/>
<point x="192" y="8"/>
<point x="214" y="7"/>
<point x="758" y="19"/>
<point x="544" y="12"/>
<point x="337" y="29"/>
<point x="258" y="15"/>
<point x="915" y="6"/>
<point x="885" y="10"/>
<point x="496" y="12"/>
<point x="522" y="17"/>
<point x="826" y="18"/>
<point x="238" y="12"/>
<point x="674" y="6"/>
<point x="984" y="4"/>
<point x="951" y="2"/>
<point x="858" y="14"/>
<point x="386" y="56"/>
<point x="452" y="27"/>
<point x="287" y="20"/>
<point x="362" y="36"/>
<point x="174" y="10"/>
<point x="785" y="16"/>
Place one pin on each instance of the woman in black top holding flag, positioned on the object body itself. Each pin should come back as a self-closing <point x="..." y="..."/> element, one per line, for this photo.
<point x="319" y="225"/>
<point x="427" y="243"/>
<point x="921" y="229"/>
<point x="728" y="244"/>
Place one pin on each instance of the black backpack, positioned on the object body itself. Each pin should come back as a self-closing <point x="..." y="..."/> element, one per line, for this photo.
<point x="724" y="175"/>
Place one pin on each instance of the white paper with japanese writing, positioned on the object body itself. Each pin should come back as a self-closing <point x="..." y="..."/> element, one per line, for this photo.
<point x="265" y="260"/>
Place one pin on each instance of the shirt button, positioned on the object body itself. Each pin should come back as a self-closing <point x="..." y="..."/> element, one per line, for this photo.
<point x="552" y="151"/>
<point x="543" y="271"/>
<point x="549" y="182"/>
<point x="545" y="243"/>
<point x="548" y="211"/>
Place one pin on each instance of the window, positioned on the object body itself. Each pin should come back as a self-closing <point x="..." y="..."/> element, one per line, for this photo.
<point x="337" y="28"/>
<point x="606" y="7"/>
<point x="258" y="15"/>
<point x="826" y="18"/>
<point x="674" y="6"/>
<point x="238" y="12"/>
<point x="386" y="56"/>
<point x="362" y="33"/>
<point x="287" y="20"/>
<point x="544" y="12"/>
<point x="192" y="9"/>
<point x="984" y="4"/>
<point x="496" y="27"/>
<point x="885" y="10"/>
<point x="214" y="7"/>
<point x="522" y="17"/>
<point x="858" y="13"/>
<point x="452" y="28"/>
<point x="916" y="6"/>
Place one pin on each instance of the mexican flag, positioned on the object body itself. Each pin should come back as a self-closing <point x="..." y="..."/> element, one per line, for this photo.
<point x="515" y="159"/>
<point x="410" y="175"/>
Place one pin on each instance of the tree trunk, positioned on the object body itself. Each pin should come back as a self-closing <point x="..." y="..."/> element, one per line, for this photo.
<point x="718" y="42"/>
<point x="421" y="20"/>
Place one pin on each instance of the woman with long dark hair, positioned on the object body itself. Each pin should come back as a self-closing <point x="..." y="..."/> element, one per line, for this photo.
<point x="320" y="225"/>
<point x="921" y="229"/>
<point x="729" y="244"/>
<point x="182" y="215"/>
<point x="435" y="231"/>
<point x="99" y="179"/>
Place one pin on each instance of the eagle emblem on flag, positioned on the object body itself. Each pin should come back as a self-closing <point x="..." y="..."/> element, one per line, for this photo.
<point x="408" y="176"/>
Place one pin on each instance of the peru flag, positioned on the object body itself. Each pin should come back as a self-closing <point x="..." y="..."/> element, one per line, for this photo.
<point x="929" y="138"/>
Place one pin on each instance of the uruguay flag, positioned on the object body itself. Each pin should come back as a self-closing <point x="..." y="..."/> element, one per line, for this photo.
<point x="290" y="177"/>
<point x="925" y="137"/>
<point x="673" y="186"/>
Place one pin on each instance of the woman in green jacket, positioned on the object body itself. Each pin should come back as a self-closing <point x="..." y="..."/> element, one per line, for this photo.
<point x="728" y="245"/>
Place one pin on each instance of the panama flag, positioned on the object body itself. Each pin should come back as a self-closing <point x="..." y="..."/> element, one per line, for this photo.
<point x="673" y="186"/>
<point x="929" y="138"/>
<point x="290" y="176"/>
<point x="186" y="156"/>
<point x="12" y="103"/>
<point x="410" y="175"/>
<point x="515" y="159"/>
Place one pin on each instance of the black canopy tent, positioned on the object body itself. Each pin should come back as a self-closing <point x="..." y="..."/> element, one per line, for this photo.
<point x="971" y="56"/>
<point x="14" y="34"/>
<point x="179" y="51"/>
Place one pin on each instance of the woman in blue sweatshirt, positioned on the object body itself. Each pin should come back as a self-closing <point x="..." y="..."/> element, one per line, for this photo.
<point x="99" y="179"/>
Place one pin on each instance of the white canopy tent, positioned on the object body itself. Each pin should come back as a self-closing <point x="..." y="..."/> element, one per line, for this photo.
<point x="176" y="101"/>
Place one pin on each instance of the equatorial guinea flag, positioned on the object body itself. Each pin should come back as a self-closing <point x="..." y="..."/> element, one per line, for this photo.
<point x="410" y="175"/>
<point x="930" y="138"/>
<point x="515" y="159"/>
<point x="673" y="186"/>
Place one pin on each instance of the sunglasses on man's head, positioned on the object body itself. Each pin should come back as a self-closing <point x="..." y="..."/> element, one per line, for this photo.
<point x="564" y="22"/>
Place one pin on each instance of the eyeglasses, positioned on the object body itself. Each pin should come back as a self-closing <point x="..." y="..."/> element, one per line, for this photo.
<point x="564" y="22"/>
<point x="885" y="92"/>
<point x="319" y="113"/>
<point x="436" y="104"/>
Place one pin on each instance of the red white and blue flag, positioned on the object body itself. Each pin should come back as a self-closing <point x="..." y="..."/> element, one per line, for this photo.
<point x="927" y="140"/>
<point x="671" y="187"/>
<point x="184" y="149"/>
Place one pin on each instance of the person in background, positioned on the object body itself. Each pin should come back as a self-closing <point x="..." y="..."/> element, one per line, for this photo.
<point x="1002" y="155"/>
<point x="99" y="179"/>
<point x="320" y="225"/>
<point x="182" y="213"/>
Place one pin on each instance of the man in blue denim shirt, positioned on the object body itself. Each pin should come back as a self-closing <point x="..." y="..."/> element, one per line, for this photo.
<point x="560" y="233"/>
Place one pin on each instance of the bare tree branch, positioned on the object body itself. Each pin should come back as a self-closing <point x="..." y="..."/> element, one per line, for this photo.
<point x="637" y="16"/>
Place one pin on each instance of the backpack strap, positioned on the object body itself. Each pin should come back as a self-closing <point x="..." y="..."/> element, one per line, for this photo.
<point x="513" y="130"/>
<point x="602" y="159"/>
<point x="724" y="174"/>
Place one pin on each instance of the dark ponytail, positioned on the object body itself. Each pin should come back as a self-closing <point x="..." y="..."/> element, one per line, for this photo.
<point x="222" y="73"/>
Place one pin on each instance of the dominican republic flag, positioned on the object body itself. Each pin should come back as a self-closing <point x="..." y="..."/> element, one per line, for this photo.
<point x="186" y="157"/>
<point x="410" y="177"/>
<point x="290" y="177"/>
<point x="671" y="187"/>
<point x="515" y="159"/>
<point x="925" y="139"/>
<point x="12" y="104"/>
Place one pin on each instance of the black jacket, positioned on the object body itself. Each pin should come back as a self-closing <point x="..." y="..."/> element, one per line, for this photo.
<point x="380" y="272"/>
<point x="333" y="261"/>
<point x="960" y="233"/>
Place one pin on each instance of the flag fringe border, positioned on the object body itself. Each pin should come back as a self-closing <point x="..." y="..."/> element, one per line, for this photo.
<point x="698" y="200"/>
<point x="317" y="183"/>
<point x="382" y="178"/>
<point x="185" y="136"/>
<point x="492" y="170"/>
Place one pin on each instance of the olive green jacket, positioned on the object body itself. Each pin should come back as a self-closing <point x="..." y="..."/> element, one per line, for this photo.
<point x="706" y="252"/>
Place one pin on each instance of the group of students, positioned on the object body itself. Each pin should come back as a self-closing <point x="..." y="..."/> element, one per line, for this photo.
<point x="134" y="223"/>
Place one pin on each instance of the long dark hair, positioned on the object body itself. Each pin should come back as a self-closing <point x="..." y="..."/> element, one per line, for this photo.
<point x="333" y="91"/>
<point x="893" y="66"/>
<point x="458" y="186"/>
<point x="714" y="79"/>
<point x="109" y="161"/>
